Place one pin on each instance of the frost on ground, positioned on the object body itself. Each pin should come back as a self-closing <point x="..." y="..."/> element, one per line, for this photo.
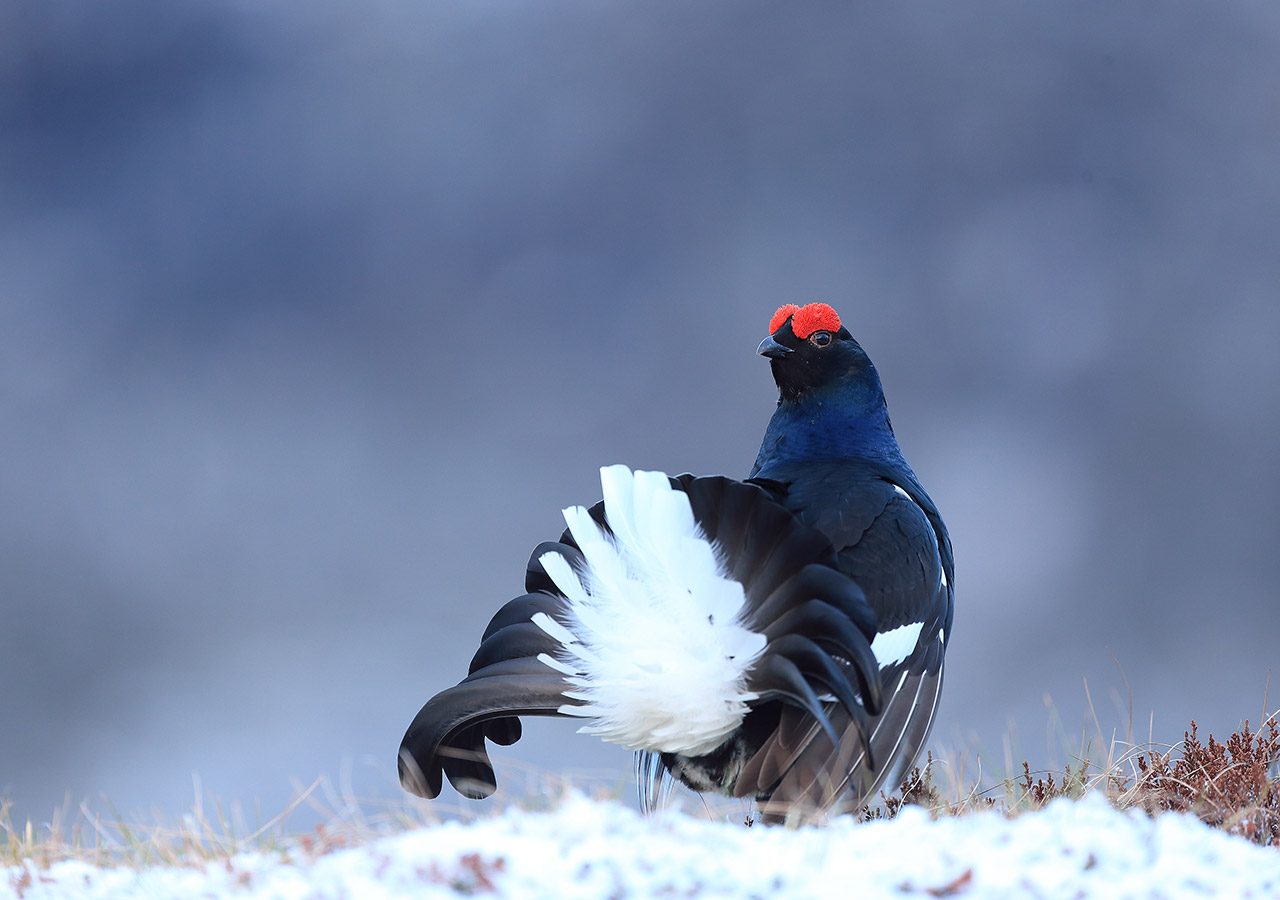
<point x="592" y="849"/>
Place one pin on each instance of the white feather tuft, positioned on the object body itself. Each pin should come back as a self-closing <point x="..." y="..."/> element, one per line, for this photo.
<point x="896" y="644"/>
<point x="653" y="646"/>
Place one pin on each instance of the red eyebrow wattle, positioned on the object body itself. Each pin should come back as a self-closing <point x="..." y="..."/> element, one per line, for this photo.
<point x="779" y="319"/>
<point x="814" y="317"/>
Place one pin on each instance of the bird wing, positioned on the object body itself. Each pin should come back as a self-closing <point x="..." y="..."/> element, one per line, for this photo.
<point x="506" y="679"/>
<point x="890" y="540"/>
<point x="811" y="773"/>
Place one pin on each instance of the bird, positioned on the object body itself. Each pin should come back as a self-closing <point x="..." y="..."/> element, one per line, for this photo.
<point x="779" y="638"/>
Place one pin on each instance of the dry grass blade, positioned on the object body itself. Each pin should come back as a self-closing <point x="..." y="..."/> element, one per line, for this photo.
<point x="1233" y="785"/>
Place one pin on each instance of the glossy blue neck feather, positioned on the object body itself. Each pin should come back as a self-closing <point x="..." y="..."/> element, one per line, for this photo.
<point x="847" y="419"/>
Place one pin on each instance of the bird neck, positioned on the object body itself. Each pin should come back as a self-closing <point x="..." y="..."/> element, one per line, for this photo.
<point x="844" y="420"/>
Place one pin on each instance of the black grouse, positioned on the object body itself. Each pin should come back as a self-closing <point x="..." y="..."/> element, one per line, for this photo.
<point x="780" y="638"/>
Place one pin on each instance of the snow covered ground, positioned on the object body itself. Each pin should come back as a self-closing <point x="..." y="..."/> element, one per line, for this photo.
<point x="591" y="849"/>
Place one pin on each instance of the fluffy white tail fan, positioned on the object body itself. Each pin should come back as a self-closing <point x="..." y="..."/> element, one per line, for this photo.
<point x="654" y="647"/>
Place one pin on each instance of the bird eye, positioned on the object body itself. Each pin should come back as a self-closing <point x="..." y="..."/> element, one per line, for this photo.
<point x="820" y="338"/>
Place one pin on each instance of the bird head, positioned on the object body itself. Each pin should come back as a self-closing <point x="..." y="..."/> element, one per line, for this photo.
<point x="809" y="349"/>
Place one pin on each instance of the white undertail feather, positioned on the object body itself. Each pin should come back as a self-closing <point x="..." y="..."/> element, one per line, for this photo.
<point x="654" y="646"/>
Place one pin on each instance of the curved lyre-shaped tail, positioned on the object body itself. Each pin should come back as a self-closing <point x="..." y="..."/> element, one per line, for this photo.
<point x="678" y="617"/>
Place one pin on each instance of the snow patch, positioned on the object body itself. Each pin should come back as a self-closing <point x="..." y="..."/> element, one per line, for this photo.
<point x="587" y="849"/>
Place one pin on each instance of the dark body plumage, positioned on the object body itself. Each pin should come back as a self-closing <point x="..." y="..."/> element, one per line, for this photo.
<point x="830" y="457"/>
<point x="839" y="550"/>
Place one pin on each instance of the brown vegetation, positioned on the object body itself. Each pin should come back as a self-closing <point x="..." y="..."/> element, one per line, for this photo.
<point x="1232" y="785"/>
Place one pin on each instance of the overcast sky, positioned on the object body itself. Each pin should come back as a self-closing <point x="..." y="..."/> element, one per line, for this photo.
<point x="313" y="316"/>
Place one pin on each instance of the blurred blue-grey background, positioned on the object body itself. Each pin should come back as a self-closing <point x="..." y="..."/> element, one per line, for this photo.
<point x="313" y="315"/>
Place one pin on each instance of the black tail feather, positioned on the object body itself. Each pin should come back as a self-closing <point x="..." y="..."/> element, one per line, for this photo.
<point x="762" y="542"/>
<point x="777" y="678"/>
<point x="523" y="609"/>
<point x="520" y="640"/>
<point x="447" y="736"/>
<point x="816" y="621"/>
<point x="817" y="581"/>
<point x="818" y="667"/>
<point x="536" y="578"/>
<point x="826" y="626"/>
<point x="506" y="680"/>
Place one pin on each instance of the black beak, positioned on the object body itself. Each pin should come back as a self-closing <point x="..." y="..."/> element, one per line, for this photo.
<point x="772" y="349"/>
